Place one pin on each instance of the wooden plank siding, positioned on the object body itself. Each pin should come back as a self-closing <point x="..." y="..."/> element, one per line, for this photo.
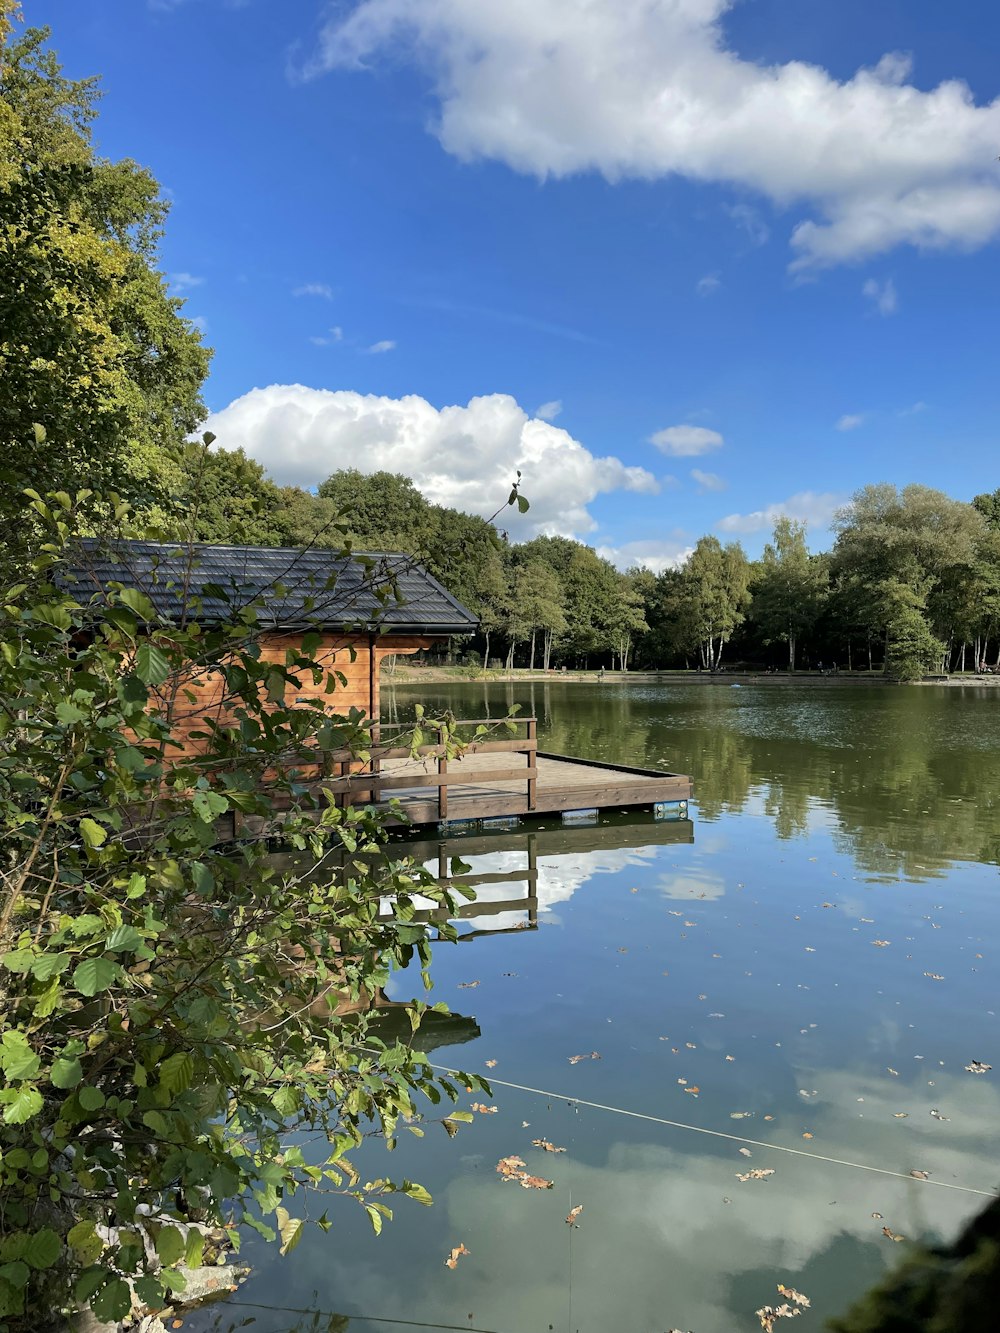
<point x="361" y="668"/>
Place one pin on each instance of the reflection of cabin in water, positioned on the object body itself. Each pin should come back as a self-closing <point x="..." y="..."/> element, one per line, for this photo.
<point x="358" y="610"/>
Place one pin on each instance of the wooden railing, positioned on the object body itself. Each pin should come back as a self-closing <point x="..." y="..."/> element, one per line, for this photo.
<point x="368" y="784"/>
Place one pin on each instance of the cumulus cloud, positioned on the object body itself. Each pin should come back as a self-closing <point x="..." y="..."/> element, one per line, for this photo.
<point x="814" y="508"/>
<point x="314" y="289"/>
<point x="335" y="335"/>
<point x="653" y="554"/>
<point x="183" y="282"/>
<point x="385" y="345"/>
<point x="708" y="481"/>
<point x="709" y="284"/>
<point x="549" y="411"/>
<point x="686" y="441"/>
<point x="200" y="323"/>
<point x="465" y="457"/>
<point x="649" y="88"/>
<point x="850" y="421"/>
<point x="883" y="295"/>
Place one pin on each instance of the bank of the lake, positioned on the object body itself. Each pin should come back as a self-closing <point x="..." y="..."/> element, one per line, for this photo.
<point x="415" y="674"/>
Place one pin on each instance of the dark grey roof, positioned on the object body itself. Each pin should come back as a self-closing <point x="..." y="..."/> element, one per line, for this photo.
<point x="317" y="588"/>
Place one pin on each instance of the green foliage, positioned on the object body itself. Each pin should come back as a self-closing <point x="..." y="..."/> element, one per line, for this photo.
<point x="174" y="1007"/>
<point x="92" y="347"/>
<point x="789" y="587"/>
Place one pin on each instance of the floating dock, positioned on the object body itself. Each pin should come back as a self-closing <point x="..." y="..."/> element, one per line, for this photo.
<point x="501" y="779"/>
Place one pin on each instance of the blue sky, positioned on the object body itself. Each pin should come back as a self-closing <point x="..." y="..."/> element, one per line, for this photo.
<point x="763" y="234"/>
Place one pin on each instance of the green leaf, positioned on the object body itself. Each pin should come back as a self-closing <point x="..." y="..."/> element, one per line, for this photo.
<point x="194" y="1250"/>
<point x="151" y="664"/>
<point x="124" y="939"/>
<point x="16" y="1274"/>
<point x="93" y="834"/>
<point x="85" y="1243"/>
<point x="43" y="1248"/>
<point x="112" y="1302"/>
<point x="177" y="1071"/>
<point x="66" y="1073"/>
<point x="19" y="960"/>
<point x="90" y="1098"/>
<point x="24" y="1104"/>
<point x="17" y="1059"/>
<point x="94" y="975"/>
<point x="416" y="1192"/>
<point x="522" y="504"/>
<point x="49" y="965"/>
<point x="68" y="713"/>
<point x="376" y="1218"/>
<point x="170" y="1246"/>
<point x="290" y="1230"/>
<point x="138" y="602"/>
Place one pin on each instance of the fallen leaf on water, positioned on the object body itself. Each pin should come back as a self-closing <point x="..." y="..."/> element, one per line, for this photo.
<point x="512" y="1168"/>
<point x="938" y="1116"/>
<point x="546" y="1145"/>
<point x="900" y="1115"/>
<point x="467" y="985"/>
<point x="452" y="1260"/>
<point x="807" y="1135"/>
<point x="881" y="944"/>
<point x="691" y="1045"/>
<point x="672" y="913"/>
<point x="574" y="1213"/>
<point x="690" y="923"/>
<point x="868" y="920"/>
<point x="828" y="904"/>
<point x="791" y="1294"/>
<point x="767" y="1315"/>
<point x="693" y="1091"/>
<point x="740" y="1115"/>
<point x="809" y="949"/>
<point x="877" y="1216"/>
<point x="177" y="1323"/>
<point x="758" y="1173"/>
<point x="745" y="1152"/>
<point x="934" y="976"/>
<point x="730" y="1058"/>
<point x="920" y="1175"/>
<point x="491" y="1064"/>
<point x="485" y="1110"/>
<point x="894" y="1072"/>
<point x="575" y="1059"/>
<point x="977" y="1067"/>
<point x="892" y="1235"/>
<point x="804" y="1093"/>
<point x="767" y="1117"/>
<point x="623" y="949"/>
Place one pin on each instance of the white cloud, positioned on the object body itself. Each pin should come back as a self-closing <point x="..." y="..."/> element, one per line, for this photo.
<point x="913" y="410"/>
<point x="883" y="295"/>
<point x="549" y="411"/>
<point x="183" y="282"/>
<point x="851" y="421"/>
<point x="655" y="555"/>
<point x="750" y="220"/>
<point x="649" y="88"/>
<point x="463" y="456"/>
<point x="335" y="336"/>
<point x="385" y="345"/>
<point x="708" y="481"/>
<point x="686" y="441"/>
<point x="200" y="322"/>
<point x="815" y="509"/>
<point x="314" y="289"/>
<point x="709" y="284"/>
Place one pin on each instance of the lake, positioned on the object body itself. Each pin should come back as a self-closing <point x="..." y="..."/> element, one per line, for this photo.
<point x="793" y="983"/>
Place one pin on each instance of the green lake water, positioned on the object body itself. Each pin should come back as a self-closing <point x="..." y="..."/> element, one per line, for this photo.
<point x="726" y="973"/>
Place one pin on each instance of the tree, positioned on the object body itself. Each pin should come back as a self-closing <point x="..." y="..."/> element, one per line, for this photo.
<point x="712" y="595"/>
<point x="789" y="587"/>
<point x="92" y="346"/>
<point x="540" y="606"/>
<point x="175" y="1009"/>
<point x="627" y="619"/>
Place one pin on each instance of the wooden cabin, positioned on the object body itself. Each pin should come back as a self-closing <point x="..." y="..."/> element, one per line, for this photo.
<point x="350" y="601"/>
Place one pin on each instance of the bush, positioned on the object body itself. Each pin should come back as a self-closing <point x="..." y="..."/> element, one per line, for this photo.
<point x="172" y="1008"/>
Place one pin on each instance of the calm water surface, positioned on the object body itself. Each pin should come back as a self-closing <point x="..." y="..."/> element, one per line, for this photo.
<point x="726" y="973"/>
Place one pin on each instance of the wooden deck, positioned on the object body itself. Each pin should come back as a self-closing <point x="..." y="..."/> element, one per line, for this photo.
<point x="498" y="779"/>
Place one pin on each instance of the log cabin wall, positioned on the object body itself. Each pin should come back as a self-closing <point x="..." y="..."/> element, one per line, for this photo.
<point x="360" y="668"/>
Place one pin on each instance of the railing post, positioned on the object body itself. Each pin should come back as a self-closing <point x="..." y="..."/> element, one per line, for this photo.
<point x="442" y="789"/>
<point x="532" y="765"/>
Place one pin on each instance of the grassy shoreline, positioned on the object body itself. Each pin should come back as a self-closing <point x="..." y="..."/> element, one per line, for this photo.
<point x="409" y="674"/>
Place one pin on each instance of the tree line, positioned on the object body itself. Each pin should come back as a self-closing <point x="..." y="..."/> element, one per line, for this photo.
<point x="911" y="584"/>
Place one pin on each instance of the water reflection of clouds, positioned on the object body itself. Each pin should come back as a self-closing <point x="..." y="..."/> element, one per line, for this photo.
<point x="696" y="883"/>
<point x="664" y="1216"/>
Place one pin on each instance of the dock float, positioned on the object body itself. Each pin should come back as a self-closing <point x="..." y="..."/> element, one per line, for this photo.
<point x="496" y="781"/>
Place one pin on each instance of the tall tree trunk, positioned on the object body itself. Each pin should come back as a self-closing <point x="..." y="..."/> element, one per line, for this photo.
<point x="961" y="665"/>
<point x="870" y="668"/>
<point x="791" y="650"/>
<point x="510" y="656"/>
<point x="850" y="662"/>
<point x="531" y="665"/>
<point x="486" y="655"/>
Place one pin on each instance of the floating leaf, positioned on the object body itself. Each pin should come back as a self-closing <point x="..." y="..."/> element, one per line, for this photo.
<point x="768" y="1315"/>
<point x="452" y="1260"/>
<point x="468" y="985"/>
<point x="573" y="1214"/>
<point x="936" y="1115"/>
<point x="934" y="976"/>
<point x="512" y="1168"/>
<point x="807" y="1135"/>
<point x="485" y="1110"/>
<point x="745" y="1152"/>
<point x="892" y="1235"/>
<point x="900" y="1115"/>
<point x="693" y="1090"/>
<point x="920" y="1175"/>
<point x="790" y="1294"/>
<point x="546" y="1146"/>
<point x="575" y="1059"/>
<point x="881" y="944"/>
<point x="491" y="1064"/>
<point x="977" y="1067"/>
<point x="758" y="1173"/>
